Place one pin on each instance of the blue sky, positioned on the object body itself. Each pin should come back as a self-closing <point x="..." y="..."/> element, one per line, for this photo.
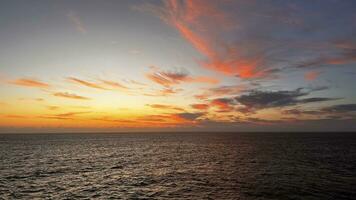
<point x="177" y="65"/>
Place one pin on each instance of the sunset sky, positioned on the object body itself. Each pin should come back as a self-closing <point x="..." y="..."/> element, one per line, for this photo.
<point x="199" y="65"/>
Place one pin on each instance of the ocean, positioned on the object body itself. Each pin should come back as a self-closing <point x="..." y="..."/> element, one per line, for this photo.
<point x="178" y="166"/>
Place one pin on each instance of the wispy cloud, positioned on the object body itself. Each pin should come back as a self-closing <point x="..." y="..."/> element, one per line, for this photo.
<point x="52" y="107"/>
<point x="163" y="92"/>
<point x="70" y="96"/>
<point x="31" y="99"/>
<point x="114" y="84"/>
<point x="170" y="78"/>
<point x="247" y="41"/>
<point x="16" y="116"/>
<point x="176" y="118"/>
<point x="200" y="23"/>
<point x="86" y="83"/>
<point x="101" y="84"/>
<point x="77" y="22"/>
<point x="339" y="111"/>
<point x="63" y="116"/>
<point x="134" y="82"/>
<point x="221" y="91"/>
<point x="341" y="108"/>
<point x="165" y="107"/>
<point x="30" y="82"/>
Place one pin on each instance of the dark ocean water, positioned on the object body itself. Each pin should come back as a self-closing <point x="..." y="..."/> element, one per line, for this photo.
<point x="178" y="166"/>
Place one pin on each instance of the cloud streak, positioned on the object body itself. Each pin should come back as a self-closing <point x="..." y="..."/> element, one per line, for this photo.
<point x="200" y="106"/>
<point x="70" y="96"/>
<point x="221" y="91"/>
<point x="114" y="84"/>
<point x="86" y="83"/>
<point x="170" y="78"/>
<point x="77" y="22"/>
<point x="29" y="82"/>
<point x="165" y="107"/>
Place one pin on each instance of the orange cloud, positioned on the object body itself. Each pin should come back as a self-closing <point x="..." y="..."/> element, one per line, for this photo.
<point x="16" y="116"/>
<point x="63" y="116"/>
<point x="205" y="79"/>
<point x="70" y="114"/>
<point x="147" y="121"/>
<point x="31" y="99"/>
<point x="160" y="79"/>
<point x="165" y="107"/>
<point x="200" y="22"/>
<point x="311" y="75"/>
<point x="86" y="83"/>
<point x="70" y="96"/>
<point x="164" y="92"/>
<point x="171" y="119"/>
<point x="223" y="104"/>
<point x="200" y="106"/>
<point x="27" y="82"/>
<point x="53" y="107"/>
<point x="114" y="84"/>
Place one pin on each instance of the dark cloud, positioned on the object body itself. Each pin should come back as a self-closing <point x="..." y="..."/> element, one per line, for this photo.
<point x="341" y="111"/>
<point x="269" y="99"/>
<point x="301" y="112"/>
<point x="316" y="99"/>
<point x="189" y="116"/>
<point x="342" y="108"/>
<point x="320" y="88"/>
<point x="264" y="99"/>
<point x="343" y="53"/>
<point x="262" y="121"/>
<point x="165" y="107"/>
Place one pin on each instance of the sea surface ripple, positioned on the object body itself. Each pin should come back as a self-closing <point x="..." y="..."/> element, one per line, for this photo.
<point x="178" y="166"/>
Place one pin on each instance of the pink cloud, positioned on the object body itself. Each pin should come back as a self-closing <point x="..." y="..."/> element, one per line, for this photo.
<point x="311" y="75"/>
<point x="200" y="23"/>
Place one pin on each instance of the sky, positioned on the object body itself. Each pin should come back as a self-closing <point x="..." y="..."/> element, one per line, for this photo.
<point x="175" y="65"/>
